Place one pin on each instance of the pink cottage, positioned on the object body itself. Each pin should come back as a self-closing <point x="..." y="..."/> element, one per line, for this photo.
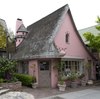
<point x="44" y="43"/>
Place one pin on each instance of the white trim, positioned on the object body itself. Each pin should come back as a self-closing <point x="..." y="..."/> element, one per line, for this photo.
<point x="72" y="58"/>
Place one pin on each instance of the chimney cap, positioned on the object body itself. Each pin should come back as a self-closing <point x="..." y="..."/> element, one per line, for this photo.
<point x="19" y="19"/>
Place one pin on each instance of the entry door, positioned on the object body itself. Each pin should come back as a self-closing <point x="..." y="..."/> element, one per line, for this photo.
<point x="44" y="74"/>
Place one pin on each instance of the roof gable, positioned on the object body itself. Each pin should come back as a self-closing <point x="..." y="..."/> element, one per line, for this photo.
<point x="22" y="29"/>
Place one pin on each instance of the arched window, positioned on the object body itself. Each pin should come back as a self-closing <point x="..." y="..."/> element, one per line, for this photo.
<point x="67" y="38"/>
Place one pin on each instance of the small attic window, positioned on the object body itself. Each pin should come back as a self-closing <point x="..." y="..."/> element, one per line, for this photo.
<point x="23" y="33"/>
<point x="67" y="37"/>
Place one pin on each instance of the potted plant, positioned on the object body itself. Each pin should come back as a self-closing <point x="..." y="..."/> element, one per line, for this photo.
<point x="34" y="84"/>
<point x="61" y="85"/>
<point x="67" y="81"/>
<point x="74" y="78"/>
<point x="83" y="80"/>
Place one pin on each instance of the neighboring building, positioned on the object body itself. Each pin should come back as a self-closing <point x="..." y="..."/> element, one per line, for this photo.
<point x="3" y="23"/>
<point x="48" y="41"/>
<point x="10" y="43"/>
<point x="91" y="29"/>
<point x="2" y="53"/>
<point x="94" y="31"/>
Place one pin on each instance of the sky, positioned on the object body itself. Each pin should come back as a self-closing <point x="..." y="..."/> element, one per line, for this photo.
<point x="84" y="12"/>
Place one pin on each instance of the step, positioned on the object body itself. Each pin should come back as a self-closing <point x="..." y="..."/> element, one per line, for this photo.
<point x="97" y="82"/>
<point x="1" y="88"/>
<point x="3" y="91"/>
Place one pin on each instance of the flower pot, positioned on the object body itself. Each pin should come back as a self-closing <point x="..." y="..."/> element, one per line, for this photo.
<point x="68" y="83"/>
<point x="79" y="82"/>
<point x="62" y="87"/>
<point x="34" y="85"/>
<point x="83" y="83"/>
<point x="90" y="82"/>
<point x="74" y="84"/>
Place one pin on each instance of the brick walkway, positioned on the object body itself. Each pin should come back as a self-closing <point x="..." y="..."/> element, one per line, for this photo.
<point x="45" y="92"/>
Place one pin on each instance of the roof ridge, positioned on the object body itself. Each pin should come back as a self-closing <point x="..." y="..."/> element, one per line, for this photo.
<point x="87" y="27"/>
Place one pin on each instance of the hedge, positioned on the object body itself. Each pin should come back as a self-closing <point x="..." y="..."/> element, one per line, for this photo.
<point x="26" y="80"/>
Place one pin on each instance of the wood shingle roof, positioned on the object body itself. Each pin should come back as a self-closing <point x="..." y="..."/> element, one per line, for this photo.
<point x="39" y="40"/>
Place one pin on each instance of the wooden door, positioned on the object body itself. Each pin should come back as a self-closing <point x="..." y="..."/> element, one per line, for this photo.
<point x="44" y="74"/>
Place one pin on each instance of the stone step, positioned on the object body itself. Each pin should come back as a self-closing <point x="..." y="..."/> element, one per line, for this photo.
<point x="1" y="88"/>
<point x="97" y="82"/>
<point x="3" y="91"/>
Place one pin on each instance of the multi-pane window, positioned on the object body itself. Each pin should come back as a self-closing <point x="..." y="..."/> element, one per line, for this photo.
<point x="22" y="67"/>
<point x="44" y="65"/>
<point x="74" y="66"/>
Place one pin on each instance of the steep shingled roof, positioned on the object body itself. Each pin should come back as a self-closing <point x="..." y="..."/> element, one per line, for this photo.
<point x="39" y="41"/>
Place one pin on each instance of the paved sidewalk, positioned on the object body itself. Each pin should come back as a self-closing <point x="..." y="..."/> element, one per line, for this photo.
<point x="83" y="94"/>
<point x="42" y="93"/>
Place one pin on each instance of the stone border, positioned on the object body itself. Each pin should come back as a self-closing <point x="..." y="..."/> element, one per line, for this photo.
<point x="12" y="85"/>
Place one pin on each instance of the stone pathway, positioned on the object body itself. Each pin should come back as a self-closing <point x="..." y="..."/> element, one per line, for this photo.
<point x="39" y="93"/>
<point x="4" y="91"/>
<point x="42" y="93"/>
<point x="17" y="95"/>
<point x="10" y="94"/>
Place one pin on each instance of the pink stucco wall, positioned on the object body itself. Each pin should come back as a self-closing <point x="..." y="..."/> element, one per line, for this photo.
<point x="33" y="68"/>
<point x="74" y="47"/>
<point x="54" y="73"/>
<point x="18" y="41"/>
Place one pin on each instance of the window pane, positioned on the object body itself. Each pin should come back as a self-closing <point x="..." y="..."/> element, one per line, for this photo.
<point x="44" y="65"/>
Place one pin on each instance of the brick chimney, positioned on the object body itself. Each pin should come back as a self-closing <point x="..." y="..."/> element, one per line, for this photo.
<point x="19" y="22"/>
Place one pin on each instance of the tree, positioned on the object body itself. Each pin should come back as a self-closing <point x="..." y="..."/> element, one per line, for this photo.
<point x="2" y="37"/>
<point x="11" y="46"/>
<point x="93" y="41"/>
<point x="7" y="68"/>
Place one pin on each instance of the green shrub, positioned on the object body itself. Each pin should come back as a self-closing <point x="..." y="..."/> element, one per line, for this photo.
<point x="26" y="80"/>
<point x="73" y="76"/>
<point x="1" y="80"/>
<point x="7" y="68"/>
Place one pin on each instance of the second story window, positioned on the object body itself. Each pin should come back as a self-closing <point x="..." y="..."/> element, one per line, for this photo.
<point x="67" y="38"/>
